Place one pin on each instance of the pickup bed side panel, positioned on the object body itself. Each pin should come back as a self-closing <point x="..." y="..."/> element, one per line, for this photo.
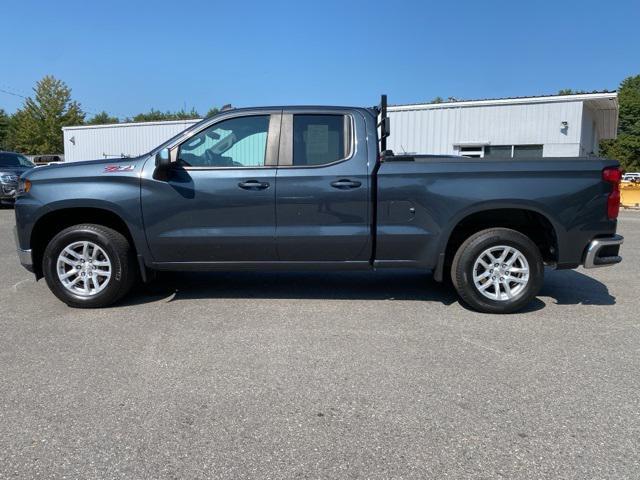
<point x="420" y="202"/>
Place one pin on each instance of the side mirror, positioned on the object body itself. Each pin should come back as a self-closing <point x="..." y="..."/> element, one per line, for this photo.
<point x="163" y="160"/>
<point x="163" y="165"/>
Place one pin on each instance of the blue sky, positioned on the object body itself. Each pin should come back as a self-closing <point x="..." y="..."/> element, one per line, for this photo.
<point x="129" y="56"/>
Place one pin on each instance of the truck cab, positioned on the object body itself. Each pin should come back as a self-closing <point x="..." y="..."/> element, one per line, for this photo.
<point x="264" y="185"/>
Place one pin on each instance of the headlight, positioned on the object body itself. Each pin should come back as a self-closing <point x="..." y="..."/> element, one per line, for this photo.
<point x="8" y="178"/>
<point x="24" y="186"/>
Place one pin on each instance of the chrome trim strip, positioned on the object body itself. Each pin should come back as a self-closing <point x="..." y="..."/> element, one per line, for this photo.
<point x="26" y="260"/>
<point x="595" y="246"/>
<point x="25" y="257"/>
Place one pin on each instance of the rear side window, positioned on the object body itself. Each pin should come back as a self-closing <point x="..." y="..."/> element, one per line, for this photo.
<point x="320" y="139"/>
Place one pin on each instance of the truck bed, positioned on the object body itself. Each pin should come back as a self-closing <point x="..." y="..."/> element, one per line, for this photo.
<point x="422" y="198"/>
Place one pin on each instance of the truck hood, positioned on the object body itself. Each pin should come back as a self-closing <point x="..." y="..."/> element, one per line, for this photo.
<point x="88" y="168"/>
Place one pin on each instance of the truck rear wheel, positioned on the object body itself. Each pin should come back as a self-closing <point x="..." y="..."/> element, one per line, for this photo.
<point x="89" y="266"/>
<point x="497" y="271"/>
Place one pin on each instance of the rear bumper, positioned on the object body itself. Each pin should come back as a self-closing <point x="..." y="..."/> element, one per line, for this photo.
<point x="25" y="257"/>
<point x="603" y="252"/>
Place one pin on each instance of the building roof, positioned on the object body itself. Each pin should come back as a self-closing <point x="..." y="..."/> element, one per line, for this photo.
<point x="135" y="124"/>
<point x="610" y="101"/>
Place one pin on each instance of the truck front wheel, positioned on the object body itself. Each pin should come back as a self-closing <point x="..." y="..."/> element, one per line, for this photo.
<point x="89" y="266"/>
<point x="497" y="271"/>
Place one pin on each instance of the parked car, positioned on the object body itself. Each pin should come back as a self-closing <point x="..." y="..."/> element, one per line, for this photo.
<point x="42" y="160"/>
<point x="631" y="177"/>
<point x="12" y="165"/>
<point x="314" y="188"/>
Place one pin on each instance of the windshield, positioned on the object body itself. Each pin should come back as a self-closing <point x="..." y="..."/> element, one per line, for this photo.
<point x="14" y="160"/>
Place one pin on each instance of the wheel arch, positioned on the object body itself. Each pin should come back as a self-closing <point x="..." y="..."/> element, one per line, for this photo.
<point x="54" y="221"/>
<point x="526" y="219"/>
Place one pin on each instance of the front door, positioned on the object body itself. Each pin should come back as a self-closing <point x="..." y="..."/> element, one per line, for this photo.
<point x="217" y="203"/>
<point x="322" y="189"/>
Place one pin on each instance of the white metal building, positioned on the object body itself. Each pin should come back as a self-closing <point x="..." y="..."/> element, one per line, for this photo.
<point x="91" y="142"/>
<point x="550" y="126"/>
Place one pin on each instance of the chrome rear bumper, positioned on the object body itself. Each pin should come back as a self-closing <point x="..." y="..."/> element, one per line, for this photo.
<point x="603" y="252"/>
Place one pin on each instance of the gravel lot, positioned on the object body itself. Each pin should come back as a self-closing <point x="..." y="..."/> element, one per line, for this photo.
<point x="380" y="375"/>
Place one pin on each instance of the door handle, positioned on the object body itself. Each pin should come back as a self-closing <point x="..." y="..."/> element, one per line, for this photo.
<point x="253" y="185"/>
<point x="345" y="184"/>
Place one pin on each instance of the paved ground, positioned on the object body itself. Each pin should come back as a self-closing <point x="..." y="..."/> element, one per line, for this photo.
<point x="321" y="376"/>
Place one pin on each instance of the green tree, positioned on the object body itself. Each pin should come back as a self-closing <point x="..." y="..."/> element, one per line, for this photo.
<point x="184" y="115"/>
<point x="626" y="148"/>
<point x="4" y="129"/>
<point x="569" y="91"/>
<point x="102" y="118"/>
<point x="37" y="126"/>
<point x="629" y="99"/>
<point x="152" y="115"/>
<point x="213" y="111"/>
<point x="438" y="99"/>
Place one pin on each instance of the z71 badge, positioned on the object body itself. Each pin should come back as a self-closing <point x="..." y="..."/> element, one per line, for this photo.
<point x="118" y="168"/>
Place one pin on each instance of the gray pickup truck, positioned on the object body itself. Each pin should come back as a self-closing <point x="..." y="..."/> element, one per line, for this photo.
<point x="12" y="165"/>
<point x="314" y="188"/>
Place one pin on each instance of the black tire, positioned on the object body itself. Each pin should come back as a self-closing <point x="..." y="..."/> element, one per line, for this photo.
<point x="462" y="270"/>
<point x="119" y="252"/>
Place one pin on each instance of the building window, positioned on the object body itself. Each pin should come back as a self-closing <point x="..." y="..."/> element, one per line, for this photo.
<point x="512" y="151"/>
<point x="498" y="151"/>
<point x="527" y="151"/>
<point x="473" y="152"/>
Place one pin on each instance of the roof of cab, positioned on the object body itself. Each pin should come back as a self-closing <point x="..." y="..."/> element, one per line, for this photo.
<point x="192" y="121"/>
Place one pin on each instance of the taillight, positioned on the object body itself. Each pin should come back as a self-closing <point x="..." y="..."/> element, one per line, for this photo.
<point x="613" y="175"/>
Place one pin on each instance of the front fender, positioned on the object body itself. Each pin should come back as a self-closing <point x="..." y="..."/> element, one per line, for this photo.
<point x="117" y="195"/>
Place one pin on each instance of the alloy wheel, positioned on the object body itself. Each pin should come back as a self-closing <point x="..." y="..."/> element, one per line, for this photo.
<point x="84" y="268"/>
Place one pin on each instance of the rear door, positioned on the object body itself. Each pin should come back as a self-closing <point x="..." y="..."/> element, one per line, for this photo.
<point x="217" y="203"/>
<point x="322" y="188"/>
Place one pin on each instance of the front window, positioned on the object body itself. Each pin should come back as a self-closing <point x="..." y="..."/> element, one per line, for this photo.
<point x="237" y="142"/>
<point x="15" y="160"/>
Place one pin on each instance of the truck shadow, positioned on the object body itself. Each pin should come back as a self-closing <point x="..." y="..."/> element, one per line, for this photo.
<point x="567" y="287"/>
<point x="572" y="287"/>
<point x="386" y="285"/>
